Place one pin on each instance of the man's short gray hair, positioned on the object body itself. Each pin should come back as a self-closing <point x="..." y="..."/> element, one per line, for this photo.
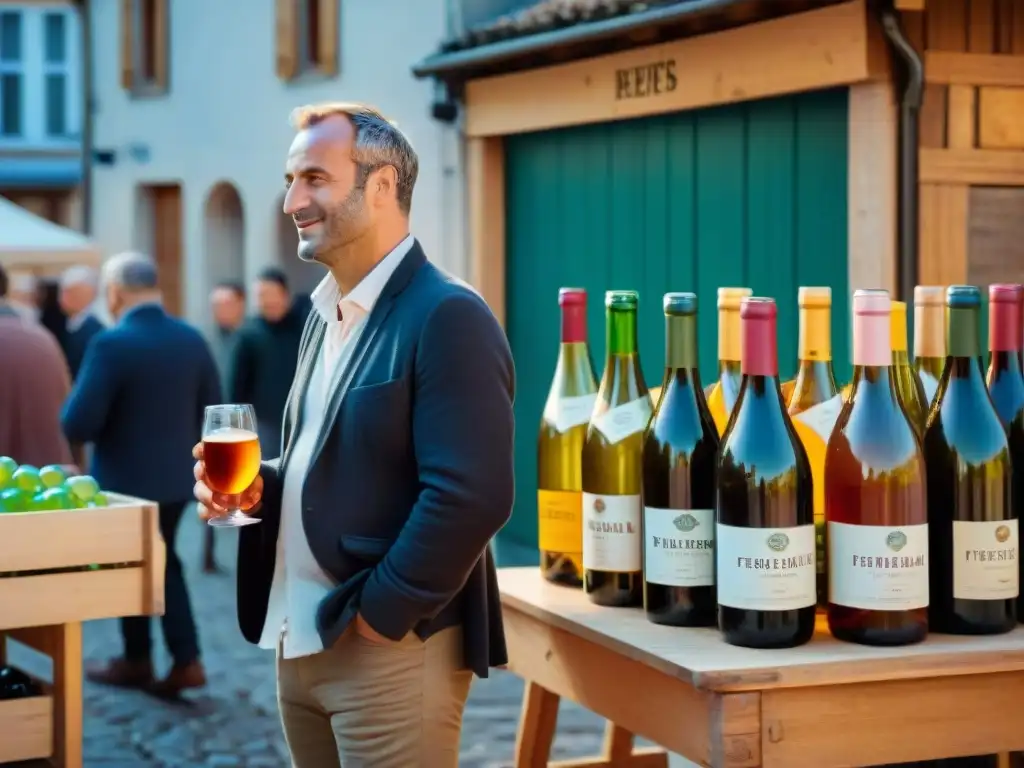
<point x="79" y="275"/>
<point x="131" y="270"/>
<point x="379" y="142"/>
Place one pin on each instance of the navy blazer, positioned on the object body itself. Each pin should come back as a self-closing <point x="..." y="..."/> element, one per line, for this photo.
<point x="77" y="341"/>
<point x="411" y="475"/>
<point x="139" y="398"/>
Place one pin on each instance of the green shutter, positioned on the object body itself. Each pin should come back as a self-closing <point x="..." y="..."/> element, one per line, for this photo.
<point x="747" y="194"/>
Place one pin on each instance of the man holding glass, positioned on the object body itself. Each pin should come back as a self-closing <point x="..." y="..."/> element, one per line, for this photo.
<point x="370" y="570"/>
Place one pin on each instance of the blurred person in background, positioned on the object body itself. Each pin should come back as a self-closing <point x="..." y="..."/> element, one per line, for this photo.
<point x="23" y="295"/>
<point x="139" y="398"/>
<point x="264" y="357"/>
<point x="78" y="287"/>
<point x="227" y="304"/>
<point x="370" y="572"/>
<point x="33" y="385"/>
<point x="51" y="316"/>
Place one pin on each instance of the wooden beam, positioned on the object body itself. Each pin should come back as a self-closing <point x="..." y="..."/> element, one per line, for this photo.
<point x="871" y="186"/>
<point x="485" y="185"/>
<point x="1001" y="118"/>
<point x="942" y="67"/>
<point x="827" y="47"/>
<point x="909" y="5"/>
<point x="972" y="166"/>
<point x="943" y="232"/>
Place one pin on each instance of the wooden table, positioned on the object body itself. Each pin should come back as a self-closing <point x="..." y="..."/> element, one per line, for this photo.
<point x="825" y="705"/>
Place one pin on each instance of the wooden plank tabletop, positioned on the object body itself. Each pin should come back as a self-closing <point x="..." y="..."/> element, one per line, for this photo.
<point x="700" y="657"/>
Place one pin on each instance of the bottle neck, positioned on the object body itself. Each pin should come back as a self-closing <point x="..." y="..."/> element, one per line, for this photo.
<point x="1005" y="361"/>
<point x="963" y="329"/>
<point x="929" y="333"/>
<point x="900" y="358"/>
<point x="730" y="347"/>
<point x="815" y="338"/>
<point x="1004" y="330"/>
<point x="759" y="351"/>
<point x="621" y="335"/>
<point x="681" y="341"/>
<point x="574" y="324"/>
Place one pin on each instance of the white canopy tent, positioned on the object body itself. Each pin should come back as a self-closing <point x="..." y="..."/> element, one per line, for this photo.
<point x="29" y="243"/>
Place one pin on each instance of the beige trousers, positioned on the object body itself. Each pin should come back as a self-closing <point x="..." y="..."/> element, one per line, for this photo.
<point x="365" y="705"/>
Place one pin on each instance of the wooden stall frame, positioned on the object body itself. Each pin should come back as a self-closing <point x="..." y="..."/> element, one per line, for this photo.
<point x="44" y="610"/>
<point x="757" y="61"/>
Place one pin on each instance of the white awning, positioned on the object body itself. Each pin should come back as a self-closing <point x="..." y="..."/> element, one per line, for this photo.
<point x="31" y="243"/>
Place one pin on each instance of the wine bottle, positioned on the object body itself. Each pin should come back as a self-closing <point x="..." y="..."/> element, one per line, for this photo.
<point x="1006" y="384"/>
<point x="814" y="406"/>
<point x="764" y="537"/>
<point x="563" y="428"/>
<point x="908" y="385"/>
<point x="723" y="392"/>
<point x="875" y="497"/>
<point x="929" y="338"/>
<point x="612" y="466"/>
<point x="972" y="525"/>
<point x="679" y="457"/>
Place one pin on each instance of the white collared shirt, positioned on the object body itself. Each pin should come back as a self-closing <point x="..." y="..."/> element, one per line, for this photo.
<point x="299" y="584"/>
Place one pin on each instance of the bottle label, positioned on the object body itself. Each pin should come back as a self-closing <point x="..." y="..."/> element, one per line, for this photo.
<point x="878" y="567"/>
<point x="621" y="421"/>
<point x="611" y="532"/>
<point x="814" y="428"/>
<point x="766" y="569"/>
<point x="985" y="565"/>
<point x="559" y="522"/>
<point x="564" y="413"/>
<point x="679" y="547"/>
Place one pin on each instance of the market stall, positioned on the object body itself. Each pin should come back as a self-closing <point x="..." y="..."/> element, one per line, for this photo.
<point x="31" y="244"/>
<point x="57" y="569"/>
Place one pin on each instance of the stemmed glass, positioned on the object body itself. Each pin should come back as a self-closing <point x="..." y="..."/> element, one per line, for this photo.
<point x="231" y="452"/>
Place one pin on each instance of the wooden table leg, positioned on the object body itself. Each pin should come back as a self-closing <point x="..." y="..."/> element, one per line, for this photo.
<point x="67" y="691"/>
<point x="536" y="727"/>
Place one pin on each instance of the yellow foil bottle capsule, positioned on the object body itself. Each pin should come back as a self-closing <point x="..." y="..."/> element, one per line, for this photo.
<point x="723" y="392"/>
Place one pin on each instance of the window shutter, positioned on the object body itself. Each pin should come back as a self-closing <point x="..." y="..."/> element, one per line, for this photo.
<point x="161" y="43"/>
<point x="287" y="39"/>
<point x="128" y="44"/>
<point x="329" y="32"/>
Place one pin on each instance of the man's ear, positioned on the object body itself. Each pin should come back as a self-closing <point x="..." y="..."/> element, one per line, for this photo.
<point x="383" y="184"/>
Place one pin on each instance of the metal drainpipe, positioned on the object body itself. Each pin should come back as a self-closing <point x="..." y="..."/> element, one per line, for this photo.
<point x="85" y="22"/>
<point x="907" y="208"/>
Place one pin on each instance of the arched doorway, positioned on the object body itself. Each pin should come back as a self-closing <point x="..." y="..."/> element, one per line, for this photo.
<point x="224" y="235"/>
<point x="303" y="277"/>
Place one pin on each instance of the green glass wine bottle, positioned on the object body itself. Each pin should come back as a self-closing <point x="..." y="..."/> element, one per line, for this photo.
<point x="929" y="338"/>
<point x="612" y="465"/>
<point x="908" y="386"/>
<point x="679" y="458"/>
<point x="764" y="534"/>
<point x="814" y="405"/>
<point x="1006" y="384"/>
<point x="563" y="428"/>
<point x="972" y="525"/>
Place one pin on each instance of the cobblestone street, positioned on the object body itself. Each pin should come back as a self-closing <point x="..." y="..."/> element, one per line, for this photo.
<point x="233" y="722"/>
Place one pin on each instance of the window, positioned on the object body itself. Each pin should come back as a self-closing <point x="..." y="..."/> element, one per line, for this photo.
<point x="307" y="37"/>
<point x="144" y="46"/>
<point x="55" y="74"/>
<point x="11" y="75"/>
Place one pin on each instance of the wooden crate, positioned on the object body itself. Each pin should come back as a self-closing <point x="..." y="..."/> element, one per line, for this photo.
<point x="27" y="729"/>
<point x="45" y="559"/>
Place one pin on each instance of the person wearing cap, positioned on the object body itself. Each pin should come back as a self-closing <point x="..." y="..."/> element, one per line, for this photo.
<point x="139" y="399"/>
<point x="78" y="286"/>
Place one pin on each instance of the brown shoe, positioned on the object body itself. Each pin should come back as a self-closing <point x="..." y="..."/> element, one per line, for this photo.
<point x="180" y="678"/>
<point x="122" y="673"/>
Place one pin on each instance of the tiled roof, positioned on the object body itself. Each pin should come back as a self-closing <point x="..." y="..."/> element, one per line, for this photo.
<point x="548" y="15"/>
